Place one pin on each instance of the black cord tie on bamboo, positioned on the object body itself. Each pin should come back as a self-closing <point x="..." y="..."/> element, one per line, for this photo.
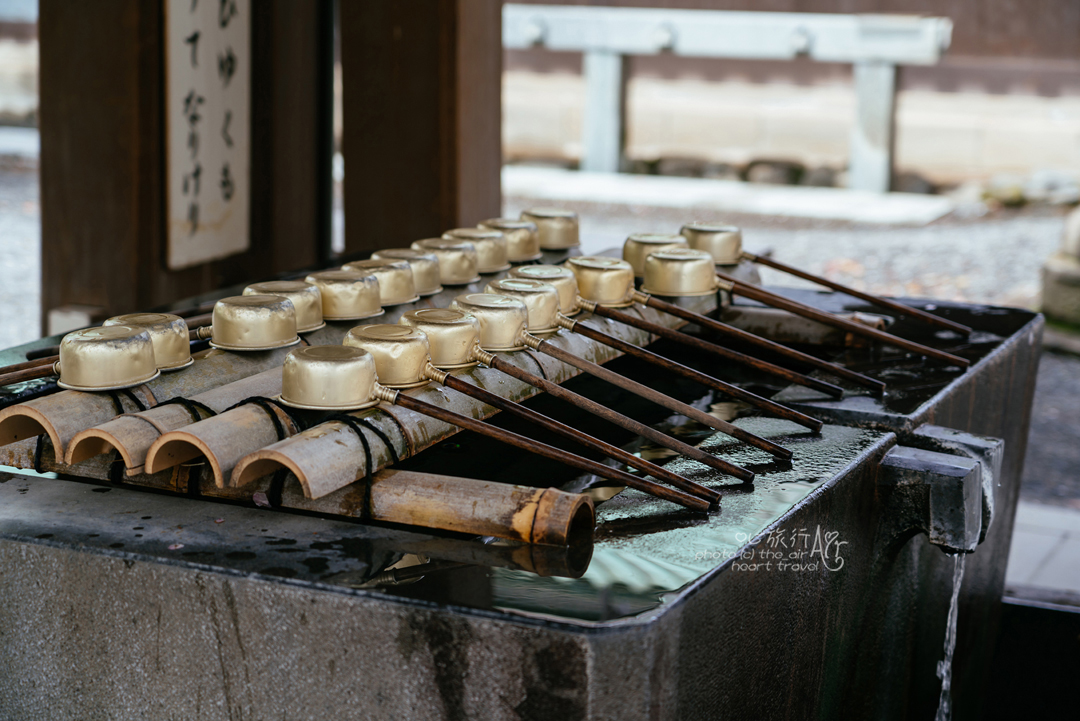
<point x="355" y="424"/>
<point x="118" y="404"/>
<point x="277" y="481"/>
<point x="192" y="407"/>
<point x="37" y="452"/>
<point x="116" y="468"/>
<point x="268" y="405"/>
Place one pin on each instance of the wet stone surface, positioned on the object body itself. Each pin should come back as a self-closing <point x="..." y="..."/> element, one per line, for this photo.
<point x="645" y="549"/>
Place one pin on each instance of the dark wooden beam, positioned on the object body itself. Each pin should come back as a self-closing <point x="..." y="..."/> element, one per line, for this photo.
<point x="102" y="153"/>
<point x="422" y="115"/>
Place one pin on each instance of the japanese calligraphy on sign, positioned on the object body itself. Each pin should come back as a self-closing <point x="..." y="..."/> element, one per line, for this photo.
<point x="208" y="119"/>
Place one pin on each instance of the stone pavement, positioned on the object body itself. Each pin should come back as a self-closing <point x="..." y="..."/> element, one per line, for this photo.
<point x="1045" y="553"/>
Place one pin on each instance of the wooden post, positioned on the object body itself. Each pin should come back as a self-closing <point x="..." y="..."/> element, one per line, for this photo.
<point x="422" y="114"/>
<point x="103" y="153"/>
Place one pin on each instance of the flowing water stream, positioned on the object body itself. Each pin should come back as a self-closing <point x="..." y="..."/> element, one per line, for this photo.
<point x="944" y="667"/>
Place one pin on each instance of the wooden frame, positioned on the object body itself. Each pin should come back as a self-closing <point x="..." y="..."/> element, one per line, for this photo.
<point x="102" y="153"/>
<point x="422" y="118"/>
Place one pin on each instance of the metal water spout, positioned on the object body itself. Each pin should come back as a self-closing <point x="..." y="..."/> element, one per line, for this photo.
<point x="940" y="483"/>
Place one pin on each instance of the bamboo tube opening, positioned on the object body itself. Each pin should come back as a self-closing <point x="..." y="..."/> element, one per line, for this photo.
<point x="177" y="448"/>
<point x="564" y="519"/>
<point x="93" y="442"/>
<point x="254" y="467"/>
<point x="19" y="422"/>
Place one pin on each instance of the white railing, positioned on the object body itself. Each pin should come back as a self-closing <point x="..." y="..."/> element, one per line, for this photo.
<point x="874" y="44"/>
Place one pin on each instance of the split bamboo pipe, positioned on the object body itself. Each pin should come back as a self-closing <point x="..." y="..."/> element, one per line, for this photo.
<point x="763" y="343"/>
<point x="735" y="391"/>
<point x="613" y="452"/>
<point x="655" y="396"/>
<point x="63" y="414"/>
<point x="662" y="439"/>
<point x="223" y="440"/>
<point x="861" y="295"/>
<point x="686" y="339"/>
<point x="761" y="295"/>
<point x="543" y="450"/>
<point x="132" y="434"/>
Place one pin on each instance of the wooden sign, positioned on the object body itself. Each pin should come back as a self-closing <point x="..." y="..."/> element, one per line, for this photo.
<point x="208" y="129"/>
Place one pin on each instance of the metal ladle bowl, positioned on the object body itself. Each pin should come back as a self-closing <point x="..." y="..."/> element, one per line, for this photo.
<point x="424" y="264"/>
<point x="168" y="333"/>
<point x="561" y="277"/>
<point x="723" y="242"/>
<point x="540" y="298"/>
<point x="604" y="280"/>
<point x="107" y="358"/>
<point x="253" y="323"/>
<point x="306" y="299"/>
<point x="557" y="227"/>
<point x="452" y="335"/>
<point x="348" y="294"/>
<point x="639" y="245"/>
<point x="400" y="352"/>
<point x="502" y="319"/>
<point x="396" y="284"/>
<point x="679" y="272"/>
<point x="522" y="238"/>
<point x="491" y="248"/>
<point x="458" y="261"/>
<point x="329" y="377"/>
